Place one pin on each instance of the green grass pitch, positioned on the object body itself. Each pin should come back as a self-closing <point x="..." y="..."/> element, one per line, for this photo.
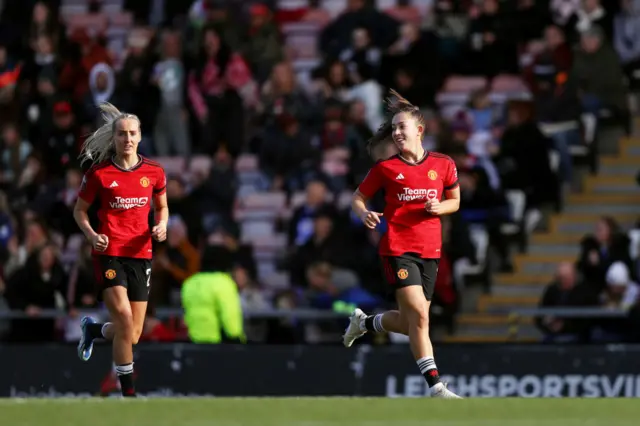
<point x="319" y="412"/>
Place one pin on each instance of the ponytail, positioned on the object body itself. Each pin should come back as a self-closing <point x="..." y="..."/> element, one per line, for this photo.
<point x="99" y="146"/>
<point x="394" y="104"/>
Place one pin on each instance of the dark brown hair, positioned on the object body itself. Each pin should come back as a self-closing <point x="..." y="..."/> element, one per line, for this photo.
<point x="394" y="104"/>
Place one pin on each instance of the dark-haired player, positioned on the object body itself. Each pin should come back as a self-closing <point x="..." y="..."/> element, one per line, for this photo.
<point x="419" y="187"/>
<point x="125" y="184"/>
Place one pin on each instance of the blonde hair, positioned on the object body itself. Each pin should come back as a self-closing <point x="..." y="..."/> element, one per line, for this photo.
<point x="99" y="146"/>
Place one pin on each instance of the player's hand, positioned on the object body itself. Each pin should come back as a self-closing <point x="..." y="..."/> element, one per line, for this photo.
<point x="433" y="207"/>
<point x="159" y="232"/>
<point x="100" y="242"/>
<point x="371" y="219"/>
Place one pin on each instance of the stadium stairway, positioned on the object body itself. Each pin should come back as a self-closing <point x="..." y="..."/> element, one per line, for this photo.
<point x="613" y="192"/>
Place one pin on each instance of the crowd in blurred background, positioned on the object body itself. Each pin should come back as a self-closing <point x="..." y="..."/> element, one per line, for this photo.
<point x="260" y="113"/>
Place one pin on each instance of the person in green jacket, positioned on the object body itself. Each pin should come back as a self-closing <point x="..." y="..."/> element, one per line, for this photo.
<point x="211" y="301"/>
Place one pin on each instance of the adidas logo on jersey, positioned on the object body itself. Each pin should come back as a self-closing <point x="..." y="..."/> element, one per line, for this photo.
<point x="399" y="177"/>
<point x="113" y="184"/>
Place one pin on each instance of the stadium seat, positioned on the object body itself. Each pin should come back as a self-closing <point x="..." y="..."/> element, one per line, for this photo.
<point x="634" y="243"/>
<point x="94" y="23"/>
<point x="517" y="201"/>
<point x="456" y="89"/>
<point x="512" y="85"/>
<point x="344" y="200"/>
<point x="275" y="200"/>
<point x="200" y="164"/>
<point x="250" y="229"/>
<point x="277" y="281"/>
<point x="480" y="238"/>
<point x="299" y="198"/>
<point x="336" y="154"/>
<point x="247" y="163"/>
<point x="301" y="39"/>
<point x="121" y="19"/>
<point x="171" y="165"/>
<point x="335" y="168"/>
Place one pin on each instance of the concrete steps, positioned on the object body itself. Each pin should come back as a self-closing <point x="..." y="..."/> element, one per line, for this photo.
<point x="613" y="192"/>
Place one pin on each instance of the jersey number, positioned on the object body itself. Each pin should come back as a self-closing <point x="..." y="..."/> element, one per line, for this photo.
<point x="148" y="272"/>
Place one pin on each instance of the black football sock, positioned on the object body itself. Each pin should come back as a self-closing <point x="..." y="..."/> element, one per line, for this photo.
<point x="373" y="323"/>
<point x="125" y="375"/>
<point x="95" y="330"/>
<point x="427" y="366"/>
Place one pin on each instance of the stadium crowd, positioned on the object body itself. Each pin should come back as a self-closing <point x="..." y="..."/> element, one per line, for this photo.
<point x="263" y="136"/>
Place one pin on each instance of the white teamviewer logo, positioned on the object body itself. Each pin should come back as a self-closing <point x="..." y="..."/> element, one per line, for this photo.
<point x="128" y="203"/>
<point x="417" y="194"/>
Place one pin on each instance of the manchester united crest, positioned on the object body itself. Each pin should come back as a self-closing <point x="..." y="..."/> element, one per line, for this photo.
<point x="433" y="175"/>
<point x="110" y="274"/>
<point x="144" y="182"/>
<point x="403" y="274"/>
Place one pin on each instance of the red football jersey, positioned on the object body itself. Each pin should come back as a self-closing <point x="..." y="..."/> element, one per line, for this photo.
<point x="125" y="198"/>
<point x="407" y="187"/>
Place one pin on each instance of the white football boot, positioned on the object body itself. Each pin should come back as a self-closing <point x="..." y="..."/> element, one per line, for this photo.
<point x="354" y="331"/>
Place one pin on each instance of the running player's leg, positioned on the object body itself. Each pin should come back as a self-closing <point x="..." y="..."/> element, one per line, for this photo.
<point x="139" y="284"/>
<point x="396" y="270"/>
<point x="108" y="273"/>
<point x="119" y="307"/>
<point x="414" y="302"/>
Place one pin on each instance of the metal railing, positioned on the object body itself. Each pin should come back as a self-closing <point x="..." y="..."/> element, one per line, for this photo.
<point x="516" y="315"/>
<point x="164" y="313"/>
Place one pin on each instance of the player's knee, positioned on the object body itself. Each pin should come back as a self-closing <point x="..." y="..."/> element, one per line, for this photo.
<point x="135" y="336"/>
<point x="418" y="317"/>
<point x="124" y="323"/>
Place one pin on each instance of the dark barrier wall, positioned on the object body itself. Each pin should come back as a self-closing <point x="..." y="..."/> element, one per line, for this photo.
<point x="189" y="370"/>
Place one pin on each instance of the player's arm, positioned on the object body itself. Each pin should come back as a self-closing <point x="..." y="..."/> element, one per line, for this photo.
<point x="451" y="203"/>
<point x="161" y="215"/>
<point x="81" y="216"/>
<point x="369" y="186"/>
<point x="161" y="207"/>
<point x="86" y="196"/>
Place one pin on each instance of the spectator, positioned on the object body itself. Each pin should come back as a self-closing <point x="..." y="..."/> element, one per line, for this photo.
<point x="592" y="14"/>
<point x="14" y="154"/>
<point x="177" y="261"/>
<point x="216" y="87"/>
<point x="555" y="51"/>
<point x="213" y="310"/>
<point x="490" y="50"/>
<point x="406" y="12"/>
<point x="10" y="71"/>
<point x="241" y="254"/>
<point x="566" y="291"/>
<point x="362" y="52"/>
<point x="291" y="155"/>
<point x="171" y="134"/>
<point x="621" y="292"/>
<point x="559" y="112"/>
<point x="316" y="14"/>
<point x="599" y="251"/>
<point x="40" y="284"/>
<point x="326" y="244"/>
<point x="301" y="222"/>
<point x="627" y="40"/>
<point x="336" y="36"/>
<point x="282" y="94"/>
<point x="529" y="20"/>
<point x="523" y="160"/>
<point x="599" y="74"/>
<point x="262" y="44"/>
